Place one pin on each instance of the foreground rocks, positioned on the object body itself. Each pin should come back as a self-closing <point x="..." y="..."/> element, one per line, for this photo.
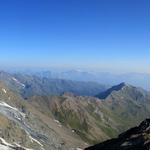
<point x="137" y="138"/>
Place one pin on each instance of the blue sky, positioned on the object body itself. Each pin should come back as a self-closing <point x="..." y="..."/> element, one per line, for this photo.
<point x="111" y="35"/>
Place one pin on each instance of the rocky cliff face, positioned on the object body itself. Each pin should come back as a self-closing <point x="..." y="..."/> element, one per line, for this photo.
<point x="22" y="127"/>
<point x="69" y="122"/>
<point x="137" y="138"/>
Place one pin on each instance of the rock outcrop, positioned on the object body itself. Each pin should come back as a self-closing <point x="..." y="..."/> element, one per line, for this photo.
<point x="137" y="138"/>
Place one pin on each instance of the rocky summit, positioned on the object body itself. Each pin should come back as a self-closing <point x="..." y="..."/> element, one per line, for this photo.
<point x="67" y="121"/>
<point x="137" y="138"/>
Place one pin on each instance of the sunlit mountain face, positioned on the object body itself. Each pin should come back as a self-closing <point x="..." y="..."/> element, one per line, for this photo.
<point x="34" y="118"/>
<point x="74" y="73"/>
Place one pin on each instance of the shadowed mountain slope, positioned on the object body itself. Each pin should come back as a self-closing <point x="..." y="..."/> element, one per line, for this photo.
<point x="137" y="138"/>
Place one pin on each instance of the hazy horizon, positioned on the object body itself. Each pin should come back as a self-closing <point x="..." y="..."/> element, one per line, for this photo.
<point x="66" y="68"/>
<point x="109" y="36"/>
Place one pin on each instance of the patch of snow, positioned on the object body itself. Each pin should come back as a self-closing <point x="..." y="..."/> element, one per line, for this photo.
<point x="36" y="141"/>
<point x="5" y="109"/>
<point x="4" y="90"/>
<point x="23" y="85"/>
<point x="86" y="144"/>
<point x="79" y="149"/>
<point x="33" y="139"/>
<point x="6" y="105"/>
<point x="14" y="79"/>
<point x="2" y="147"/>
<point x="56" y="121"/>
<point x="97" y="111"/>
<point x="21" y="146"/>
<point x="6" y="146"/>
<point x="59" y="124"/>
<point x="4" y="142"/>
<point x="19" y="117"/>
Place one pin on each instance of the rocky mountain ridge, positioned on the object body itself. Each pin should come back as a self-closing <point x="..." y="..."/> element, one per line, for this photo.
<point x="30" y="85"/>
<point x="68" y="121"/>
<point x="137" y="138"/>
<point x="95" y="119"/>
<point x="23" y="125"/>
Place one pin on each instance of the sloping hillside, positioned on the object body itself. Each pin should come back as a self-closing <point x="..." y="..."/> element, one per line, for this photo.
<point x="136" y="138"/>
<point x="96" y="119"/>
<point x="21" y="124"/>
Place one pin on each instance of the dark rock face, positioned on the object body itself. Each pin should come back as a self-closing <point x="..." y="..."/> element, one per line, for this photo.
<point x="106" y="93"/>
<point x="125" y="90"/>
<point x="137" y="138"/>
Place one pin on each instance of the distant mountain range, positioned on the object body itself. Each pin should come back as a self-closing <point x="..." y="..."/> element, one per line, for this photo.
<point x="30" y="85"/>
<point x="106" y="78"/>
<point x="65" y="120"/>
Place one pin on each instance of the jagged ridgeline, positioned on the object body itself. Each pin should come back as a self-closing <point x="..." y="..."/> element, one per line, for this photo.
<point x="136" y="138"/>
<point x="30" y="85"/>
<point x="95" y="119"/>
<point x="66" y="121"/>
